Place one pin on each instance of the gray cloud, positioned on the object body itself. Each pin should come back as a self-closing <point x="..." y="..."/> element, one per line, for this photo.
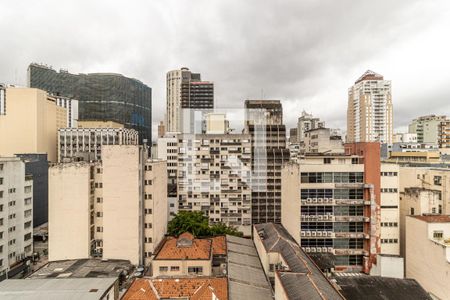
<point x="306" y="53"/>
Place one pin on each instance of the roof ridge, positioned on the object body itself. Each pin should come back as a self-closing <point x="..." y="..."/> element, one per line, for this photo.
<point x="155" y="291"/>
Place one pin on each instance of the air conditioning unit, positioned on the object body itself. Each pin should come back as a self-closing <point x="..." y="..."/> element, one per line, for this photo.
<point x="320" y="200"/>
<point x="308" y="233"/>
<point x="314" y="200"/>
<point x="307" y="249"/>
<point x="324" y="249"/>
<point x="313" y="249"/>
<point x="313" y="233"/>
<point x="330" y="233"/>
<point x="309" y="200"/>
<point x="319" y="249"/>
<point x="303" y="233"/>
<point x="330" y="249"/>
<point x="320" y="217"/>
<point x="319" y="233"/>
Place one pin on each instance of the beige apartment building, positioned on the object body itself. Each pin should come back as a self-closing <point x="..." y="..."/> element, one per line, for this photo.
<point x="322" y="140"/>
<point x="428" y="253"/>
<point x="214" y="177"/>
<point x="16" y="214"/>
<point x="369" y="112"/>
<point x="343" y="204"/>
<point x="423" y="190"/>
<point x="116" y="209"/>
<point x="29" y="121"/>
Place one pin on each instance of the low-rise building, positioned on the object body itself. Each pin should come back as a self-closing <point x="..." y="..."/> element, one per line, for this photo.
<point x="189" y="256"/>
<point x="16" y="216"/>
<point x="180" y="288"/>
<point x="322" y="140"/>
<point x="287" y="265"/>
<point x="428" y="253"/>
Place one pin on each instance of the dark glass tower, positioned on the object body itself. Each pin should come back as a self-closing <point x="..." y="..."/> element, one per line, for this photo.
<point x="102" y="96"/>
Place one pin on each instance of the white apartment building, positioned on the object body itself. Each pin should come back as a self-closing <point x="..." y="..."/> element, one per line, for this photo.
<point x="214" y="177"/>
<point x="428" y="253"/>
<point x="404" y="138"/>
<point x="427" y="128"/>
<point x="167" y="149"/>
<point x="369" y="112"/>
<point x="86" y="143"/>
<point x="116" y="209"/>
<point x="390" y="209"/>
<point x="16" y="213"/>
<point x="71" y="106"/>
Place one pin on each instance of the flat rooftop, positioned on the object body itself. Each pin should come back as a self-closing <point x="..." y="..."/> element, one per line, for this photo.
<point x="55" y="289"/>
<point x="83" y="268"/>
<point x="380" y="288"/>
<point x="433" y="218"/>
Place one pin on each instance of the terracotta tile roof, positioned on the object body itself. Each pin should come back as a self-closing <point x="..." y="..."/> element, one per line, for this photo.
<point x="434" y="218"/>
<point x="200" y="249"/>
<point x="219" y="245"/>
<point x="191" y="288"/>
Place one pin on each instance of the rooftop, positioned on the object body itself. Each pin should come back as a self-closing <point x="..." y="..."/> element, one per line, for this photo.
<point x="83" y="268"/>
<point x="434" y="218"/>
<point x="185" y="247"/>
<point x="246" y="277"/>
<point x="302" y="279"/>
<point x="219" y="245"/>
<point x="55" y="289"/>
<point x="184" y="288"/>
<point x="380" y="288"/>
<point x="369" y="75"/>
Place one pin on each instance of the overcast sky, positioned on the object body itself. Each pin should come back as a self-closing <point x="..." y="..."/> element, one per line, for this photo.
<point x="305" y="53"/>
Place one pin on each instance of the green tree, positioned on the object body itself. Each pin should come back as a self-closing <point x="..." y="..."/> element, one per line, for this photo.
<point x="197" y="224"/>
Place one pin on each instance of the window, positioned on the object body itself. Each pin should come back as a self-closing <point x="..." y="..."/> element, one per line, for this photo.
<point x="27" y="236"/>
<point x="27" y="201"/>
<point x="99" y="200"/>
<point x="327" y="160"/>
<point x="99" y="229"/>
<point x="174" y="268"/>
<point x="195" y="270"/>
<point x="438" y="235"/>
<point x="437" y="180"/>
<point x="271" y="267"/>
<point x="163" y="269"/>
<point x="27" y="213"/>
<point x="1" y="180"/>
<point x="412" y="211"/>
<point x="27" y="224"/>
<point x="148" y="182"/>
<point x="99" y="214"/>
<point x="27" y="189"/>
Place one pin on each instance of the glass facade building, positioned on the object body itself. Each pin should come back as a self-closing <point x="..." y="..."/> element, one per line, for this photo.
<point x="102" y="96"/>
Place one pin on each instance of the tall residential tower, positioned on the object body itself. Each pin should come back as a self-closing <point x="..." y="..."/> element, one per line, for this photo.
<point x="369" y="112"/>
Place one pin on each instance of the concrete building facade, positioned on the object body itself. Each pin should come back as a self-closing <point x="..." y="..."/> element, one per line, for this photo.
<point x="29" y="122"/>
<point x="71" y="106"/>
<point x="369" y="112"/>
<point x="76" y="144"/>
<point x="16" y="214"/>
<point x="305" y="123"/>
<point x="84" y="214"/>
<point x="333" y="206"/>
<point x="322" y="140"/>
<point x="214" y="177"/>
<point x="427" y="128"/>
<point x="428" y="253"/>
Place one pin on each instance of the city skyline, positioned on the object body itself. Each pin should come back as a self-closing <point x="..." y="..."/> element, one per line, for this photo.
<point x="321" y="58"/>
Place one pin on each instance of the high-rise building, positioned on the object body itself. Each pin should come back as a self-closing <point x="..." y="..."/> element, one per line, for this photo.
<point x="307" y="122"/>
<point x="167" y="149"/>
<point x="71" y="106"/>
<point x="29" y="122"/>
<point x="334" y="205"/>
<point x="214" y="177"/>
<point x="76" y="144"/>
<point x="369" y="112"/>
<point x="161" y="129"/>
<point x="444" y="134"/>
<point x="16" y="216"/>
<point x="186" y="90"/>
<point x="101" y="96"/>
<point x="427" y="128"/>
<point x="114" y="209"/>
<point x="264" y="123"/>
